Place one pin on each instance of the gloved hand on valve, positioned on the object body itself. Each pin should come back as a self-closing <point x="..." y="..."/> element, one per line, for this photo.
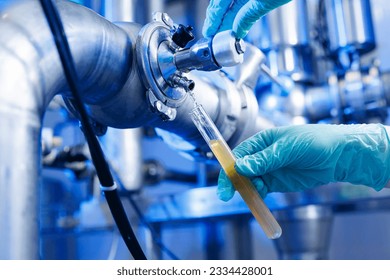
<point x="295" y="158"/>
<point x="238" y="15"/>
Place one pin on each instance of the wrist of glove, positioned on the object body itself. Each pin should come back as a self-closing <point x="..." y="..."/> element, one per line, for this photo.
<point x="296" y="158"/>
<point x="365" y="157"/>
<point x="239" y="15"/>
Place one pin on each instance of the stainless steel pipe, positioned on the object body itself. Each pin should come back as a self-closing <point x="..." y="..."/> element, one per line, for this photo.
<point x="350" y="26"/>
<point x="30" y="75"/>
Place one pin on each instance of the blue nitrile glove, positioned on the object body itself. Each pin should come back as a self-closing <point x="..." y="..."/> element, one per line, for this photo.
<point x="295" y="158"/>
<point x="238" y="15"/>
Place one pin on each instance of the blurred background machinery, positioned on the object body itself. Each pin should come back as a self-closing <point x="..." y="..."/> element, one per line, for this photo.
<point x="310" y="61"/>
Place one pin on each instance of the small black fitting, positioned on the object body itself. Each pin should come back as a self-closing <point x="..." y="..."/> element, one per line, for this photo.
<point x="183" y="35"/>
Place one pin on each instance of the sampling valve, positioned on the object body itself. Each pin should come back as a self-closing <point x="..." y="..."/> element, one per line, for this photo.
<point x="163" y="60"/>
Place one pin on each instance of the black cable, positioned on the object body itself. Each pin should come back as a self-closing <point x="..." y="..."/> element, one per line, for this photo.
<point x="102" y="169"/>
<point x="153" y="232"/>
<point x="143" y="219"/>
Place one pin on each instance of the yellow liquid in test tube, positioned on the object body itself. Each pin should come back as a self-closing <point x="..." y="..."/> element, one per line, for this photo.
<point x="246" y="189"/>
<point x="242" y="184"/>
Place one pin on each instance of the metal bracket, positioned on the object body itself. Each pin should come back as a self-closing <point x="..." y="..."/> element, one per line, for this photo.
<point x="166" y="113"/>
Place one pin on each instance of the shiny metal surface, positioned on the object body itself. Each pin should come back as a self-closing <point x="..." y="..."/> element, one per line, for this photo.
<point x="120" y="10"/>
<point x="358" y="97"/>
<point x="286" y="26"/>
<point x="123" y="147"/>
<point x="126" y="10"/>
<point x="19" y="181"/>
<point x="209" y="54"/>
<point x="307" y="232"/>
<point x="285" y="38"/>
<point x="31" y="74"/>
<point x="227" y="51"/>
<point x="153" y="42"/>
<point x="199" y="56"/>
<point x="248" y="72"/>
<point x="350" y="26"/>
<point x="128" y="107"/>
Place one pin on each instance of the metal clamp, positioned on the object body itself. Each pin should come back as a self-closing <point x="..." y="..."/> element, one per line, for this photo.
<point x="155" y="62"/>
<point x="166" y="113"/>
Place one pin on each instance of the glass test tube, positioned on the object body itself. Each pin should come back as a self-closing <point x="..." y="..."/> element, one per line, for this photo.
<point x="242" y="184"/>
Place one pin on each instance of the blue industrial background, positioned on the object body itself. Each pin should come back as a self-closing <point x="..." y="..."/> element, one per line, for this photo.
<point x="176" y="195"/>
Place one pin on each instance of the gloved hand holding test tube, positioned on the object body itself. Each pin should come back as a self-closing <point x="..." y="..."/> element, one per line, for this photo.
<point x="242" y="184"/>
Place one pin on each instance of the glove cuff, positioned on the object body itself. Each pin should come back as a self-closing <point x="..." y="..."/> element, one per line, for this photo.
<point x="384" y="144"/>
<point x="387" y="129"/>
<point x="387" y="174"/>
<point x="365" y="156"/>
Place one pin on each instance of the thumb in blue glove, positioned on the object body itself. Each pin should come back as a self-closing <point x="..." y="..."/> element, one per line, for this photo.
<point x="295" y="158"/>
<point x="238" y="15"/>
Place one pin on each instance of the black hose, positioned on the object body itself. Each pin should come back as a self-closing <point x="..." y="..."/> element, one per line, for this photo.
<point x="102" y="169"/>
<point x="143" y="219"/>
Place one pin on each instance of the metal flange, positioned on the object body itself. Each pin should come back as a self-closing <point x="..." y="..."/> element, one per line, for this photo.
<point x="155" y="50"/>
